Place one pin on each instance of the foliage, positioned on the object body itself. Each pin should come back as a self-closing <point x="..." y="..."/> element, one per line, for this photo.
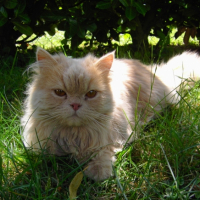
<point x="89" y="20"/>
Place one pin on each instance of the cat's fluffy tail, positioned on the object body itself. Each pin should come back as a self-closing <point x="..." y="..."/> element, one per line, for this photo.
<point x="179" y="69"/>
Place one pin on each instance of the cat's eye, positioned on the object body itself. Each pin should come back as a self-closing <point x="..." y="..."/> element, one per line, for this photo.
<point x="91" y="94"/>
<point x="60" y="93"/>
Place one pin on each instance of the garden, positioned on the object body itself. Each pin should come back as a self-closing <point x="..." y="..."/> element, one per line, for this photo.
<point x="164" y="161"/>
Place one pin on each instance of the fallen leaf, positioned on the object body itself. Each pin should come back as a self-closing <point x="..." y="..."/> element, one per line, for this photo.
<point x="74" y="185"/>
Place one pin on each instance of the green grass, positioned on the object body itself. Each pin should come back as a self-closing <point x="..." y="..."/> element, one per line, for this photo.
<point x="163" y="163"/>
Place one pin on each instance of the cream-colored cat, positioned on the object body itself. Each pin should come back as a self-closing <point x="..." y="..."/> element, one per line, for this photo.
<point x="89" y="106"/>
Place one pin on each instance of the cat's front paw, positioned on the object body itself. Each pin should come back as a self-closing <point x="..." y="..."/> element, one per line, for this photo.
<point x="99" y="171"/>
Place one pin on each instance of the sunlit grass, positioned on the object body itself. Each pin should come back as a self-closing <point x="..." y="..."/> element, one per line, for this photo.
<point x="47" y="41"/>
<point x="173" y="41"/>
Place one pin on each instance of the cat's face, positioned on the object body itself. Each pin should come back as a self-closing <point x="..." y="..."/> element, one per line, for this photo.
<point x="72" y="92"/>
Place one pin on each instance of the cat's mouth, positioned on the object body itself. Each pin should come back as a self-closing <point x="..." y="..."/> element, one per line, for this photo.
<point x="74" y="120"/>
<point x="75" y="115"/>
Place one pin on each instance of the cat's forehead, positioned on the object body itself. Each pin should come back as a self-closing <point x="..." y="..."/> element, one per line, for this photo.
<point x="76" y="76"/>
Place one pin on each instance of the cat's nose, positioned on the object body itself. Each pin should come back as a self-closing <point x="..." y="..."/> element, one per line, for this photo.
<point x="75" y="106"/>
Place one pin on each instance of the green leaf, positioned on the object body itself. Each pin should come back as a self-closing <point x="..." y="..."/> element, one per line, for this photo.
<point x="3" y="12"/>
<point x="80" y="32"/>
<point x="130" y="13"/>
<point x="124" y="2"/>
<point x="91" y="27"/>
<point x="25" y="29"/>
<point x="52" y="30"/>
<point x="75" y="41"/>
<point x="10" y="4"/>
<point x="132" y="2"/>
<point x="140" y="8"/>
<point x="160" y="34"/>
<point x="25" y="18"/>
<point x="20" y="7"/>
<point x="3" y="19"/>
<point x="122" y="28"/>
<point x="73" y="27"/>
<point x="64" y="41"/>
<point x="103" y="5"/>
<point x="52" y="16"/>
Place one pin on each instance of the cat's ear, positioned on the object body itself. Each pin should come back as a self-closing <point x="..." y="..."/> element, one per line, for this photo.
<point x="42" y="54"/>
<point x="105" y="62"/>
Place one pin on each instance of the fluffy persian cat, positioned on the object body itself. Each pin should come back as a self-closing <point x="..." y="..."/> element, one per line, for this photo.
<point x="88" y="106"/>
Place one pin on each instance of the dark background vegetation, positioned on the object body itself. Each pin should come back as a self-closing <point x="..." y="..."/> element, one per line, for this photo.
<point x="96" y="21"/>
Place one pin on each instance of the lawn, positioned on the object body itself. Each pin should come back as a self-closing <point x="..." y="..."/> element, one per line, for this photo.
<point x="163" y="163"/>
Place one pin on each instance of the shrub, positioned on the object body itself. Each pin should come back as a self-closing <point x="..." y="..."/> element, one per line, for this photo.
<point x="103" y="20"/>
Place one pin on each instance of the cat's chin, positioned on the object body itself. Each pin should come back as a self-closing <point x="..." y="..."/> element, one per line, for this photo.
<point x="75" y="121"/>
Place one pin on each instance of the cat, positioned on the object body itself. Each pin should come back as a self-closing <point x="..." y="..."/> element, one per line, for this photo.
<point x="89" y="106"/>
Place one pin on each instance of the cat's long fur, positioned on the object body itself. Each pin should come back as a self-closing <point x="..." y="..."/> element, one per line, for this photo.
<point x="126" y="90"/>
